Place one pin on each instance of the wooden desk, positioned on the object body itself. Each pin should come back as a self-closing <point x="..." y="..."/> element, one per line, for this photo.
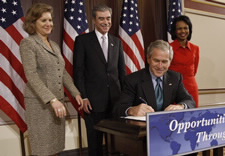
<point x="129" y="137"/>
<point x="124" y="136"/>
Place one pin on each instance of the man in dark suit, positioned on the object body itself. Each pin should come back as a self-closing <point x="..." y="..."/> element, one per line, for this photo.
<point x="99" y="70"/>
<point x="138" y="96"/>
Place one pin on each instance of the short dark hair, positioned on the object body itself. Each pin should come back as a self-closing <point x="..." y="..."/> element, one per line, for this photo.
<point x="33" y="14"/>
<point x="185" y="19"/>
<point x="100" y="7"/>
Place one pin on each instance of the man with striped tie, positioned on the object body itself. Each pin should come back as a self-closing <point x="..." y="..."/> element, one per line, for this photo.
<point x="154" y="88"/>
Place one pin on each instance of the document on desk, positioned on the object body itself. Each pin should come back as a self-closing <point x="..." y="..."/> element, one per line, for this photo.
<point x="139" y="118"/>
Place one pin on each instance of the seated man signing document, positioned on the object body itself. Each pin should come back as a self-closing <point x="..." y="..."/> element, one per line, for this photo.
<point x="154" y="88"/>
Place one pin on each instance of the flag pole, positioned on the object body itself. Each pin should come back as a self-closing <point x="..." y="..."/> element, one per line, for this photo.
<point x="22" y="144"/>
<point x="80" y="135"/>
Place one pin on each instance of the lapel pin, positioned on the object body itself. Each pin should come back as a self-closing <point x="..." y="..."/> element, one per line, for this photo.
<point x="112" y="44"/>
<point x="170" y="84"/>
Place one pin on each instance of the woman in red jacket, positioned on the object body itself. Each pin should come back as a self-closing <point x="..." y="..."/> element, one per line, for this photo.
<point x="186" y="54"/>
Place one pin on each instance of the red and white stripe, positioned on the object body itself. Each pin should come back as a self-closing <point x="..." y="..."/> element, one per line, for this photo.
<point x="70" y="34"/>
<point x="12" y="77"/>
<point x="133" y="50"/>
<point x="68" y="45"/>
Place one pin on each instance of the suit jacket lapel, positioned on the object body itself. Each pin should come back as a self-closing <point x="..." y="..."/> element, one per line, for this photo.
<point x="96" y="45"/>
<point x="167" y="89"/>
<point x="148" y="89"/>
<point x="39" y="41"/>
<point x="110" y="48"/>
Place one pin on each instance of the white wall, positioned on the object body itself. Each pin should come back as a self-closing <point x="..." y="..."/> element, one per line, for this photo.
<point x="209" y="34"/>
<point x="10" y="138"/>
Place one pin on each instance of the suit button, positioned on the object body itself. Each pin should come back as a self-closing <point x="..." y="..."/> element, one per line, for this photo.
<point x="108" y="86"/>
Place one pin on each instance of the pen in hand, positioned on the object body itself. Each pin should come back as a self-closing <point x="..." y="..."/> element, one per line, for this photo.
<point x="143" y="100"/>
<point x="147" y="108"/>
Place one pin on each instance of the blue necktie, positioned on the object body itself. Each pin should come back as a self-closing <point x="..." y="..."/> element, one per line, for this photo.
<point x="158" y="94"/>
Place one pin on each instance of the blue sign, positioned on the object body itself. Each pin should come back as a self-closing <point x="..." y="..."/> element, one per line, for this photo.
<point x="182" y="132"/>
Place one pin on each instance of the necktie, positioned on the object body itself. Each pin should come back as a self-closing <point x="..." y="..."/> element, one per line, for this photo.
<point x="105" y="47"/>
<point x="158" y="94"/>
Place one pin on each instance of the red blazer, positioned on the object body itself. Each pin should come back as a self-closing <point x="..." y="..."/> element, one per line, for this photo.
<point x="186" y="61"/>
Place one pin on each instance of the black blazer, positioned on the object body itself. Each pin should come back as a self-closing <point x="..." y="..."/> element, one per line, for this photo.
<point x="139" y="84"/>
<point x="96" y="79"/>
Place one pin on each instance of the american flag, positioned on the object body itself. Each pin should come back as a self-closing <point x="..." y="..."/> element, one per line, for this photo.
<point x="174" y="10"/>
<point x="130" y="34"/>
<point x="75" y="23"/>
<point x="11" y="70"/>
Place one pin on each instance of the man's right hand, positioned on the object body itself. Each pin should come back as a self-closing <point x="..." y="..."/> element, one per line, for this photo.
<point x="140" y="110"/>
<point x="87" y="106"/>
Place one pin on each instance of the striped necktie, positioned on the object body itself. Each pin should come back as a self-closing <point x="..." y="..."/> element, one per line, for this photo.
<point x="159" y="94"/>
